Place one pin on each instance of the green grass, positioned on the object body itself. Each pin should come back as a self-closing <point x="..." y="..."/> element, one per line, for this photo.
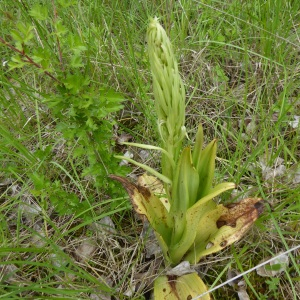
<point x="239" y="61"/>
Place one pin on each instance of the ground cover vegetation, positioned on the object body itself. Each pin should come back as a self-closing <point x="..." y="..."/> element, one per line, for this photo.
<point x="76" y="82"/>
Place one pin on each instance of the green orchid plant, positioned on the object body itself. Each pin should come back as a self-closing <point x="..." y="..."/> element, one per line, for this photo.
<point x="179" y="206"/>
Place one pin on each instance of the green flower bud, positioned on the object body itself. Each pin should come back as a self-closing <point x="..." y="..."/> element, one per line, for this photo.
<point x="168" y="91"/>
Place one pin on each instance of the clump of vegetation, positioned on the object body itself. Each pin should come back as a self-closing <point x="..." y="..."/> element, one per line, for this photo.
<point x="82" y="111"/>
<point x="187" y="222"/>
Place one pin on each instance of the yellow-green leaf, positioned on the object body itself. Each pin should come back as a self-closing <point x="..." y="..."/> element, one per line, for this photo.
<point x="156" y="187"/>
<point x="185" y="183"/>
<point x="146" y="204"/>
<point x="172" y="287"/>
<point x="223" y="226"/>
<point x="184" y="193"/>
<point x="206" y="168"/>
<point x="195" y="216"/>
<point x="198" y="147"/>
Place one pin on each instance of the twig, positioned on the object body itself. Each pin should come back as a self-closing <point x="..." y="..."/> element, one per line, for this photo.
<point x="28" y="58"/>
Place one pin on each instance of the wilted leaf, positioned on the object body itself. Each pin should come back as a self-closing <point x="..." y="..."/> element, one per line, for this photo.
<point x="57" y="260"/>
<point x="100" y="296"/>
<point x="173" y="287"/>
<point x="295" y="123"/>
<point x="149" y="206"/>
<point x="86" y="249"/>
<point x="156" y="188"/>
<point x="124" y="137"/>
<point x="144" y="154"/>
<point x="243" y="295"/>
<point x="294" y="174"/>
<point x="38" y="237"/>
<point x="223" y="226"/>
<point x="248" y="209"/>
<point x="238" y="284"/>
<point x="104" y="226"/>
<point x="29" y="208"/>
<point x="8" y="273"/>
<point x="126" y="154"/>
<point x="275" y="267"/>
<point x="296" y="178"/>
<point x="181" y="269"/>
<point x="269" y="173"/>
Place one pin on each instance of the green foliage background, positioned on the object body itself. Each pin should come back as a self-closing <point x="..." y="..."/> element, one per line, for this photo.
<point x="75" y="76"/>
